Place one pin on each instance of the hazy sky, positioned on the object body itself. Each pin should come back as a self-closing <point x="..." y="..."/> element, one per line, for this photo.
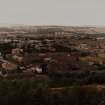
<point x="53" y="12"/>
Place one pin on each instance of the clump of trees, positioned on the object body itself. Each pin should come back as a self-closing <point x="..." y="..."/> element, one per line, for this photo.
<point x="5" y="48"/>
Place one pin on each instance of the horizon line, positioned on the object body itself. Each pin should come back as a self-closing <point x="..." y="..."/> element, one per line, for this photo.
<point x="56" y="25"/>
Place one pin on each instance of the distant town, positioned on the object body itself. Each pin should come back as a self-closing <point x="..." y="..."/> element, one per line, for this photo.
<point x="51" y="49"/>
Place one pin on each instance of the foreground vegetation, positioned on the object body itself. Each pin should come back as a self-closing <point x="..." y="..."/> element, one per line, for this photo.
<point x="43" y="90"/>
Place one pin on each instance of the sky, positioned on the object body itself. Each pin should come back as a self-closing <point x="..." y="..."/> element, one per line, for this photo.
<point x="53" y="12"/>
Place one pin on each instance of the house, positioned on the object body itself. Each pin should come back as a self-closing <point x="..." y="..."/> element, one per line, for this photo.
<point x="100" y="38"/>
<point x="17" y="51"/>
<point x="18" y="59"/>
<point x="83" y="46"/>
<point x="8" y="66"/>
<point x="38" y="69"/>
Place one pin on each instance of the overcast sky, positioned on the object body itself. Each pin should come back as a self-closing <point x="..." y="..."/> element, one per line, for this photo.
<point x="53" y="12"/>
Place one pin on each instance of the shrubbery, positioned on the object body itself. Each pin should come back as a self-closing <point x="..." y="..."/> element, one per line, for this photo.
<point x="56" y="89"/>
<point x="36" y="92"/>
